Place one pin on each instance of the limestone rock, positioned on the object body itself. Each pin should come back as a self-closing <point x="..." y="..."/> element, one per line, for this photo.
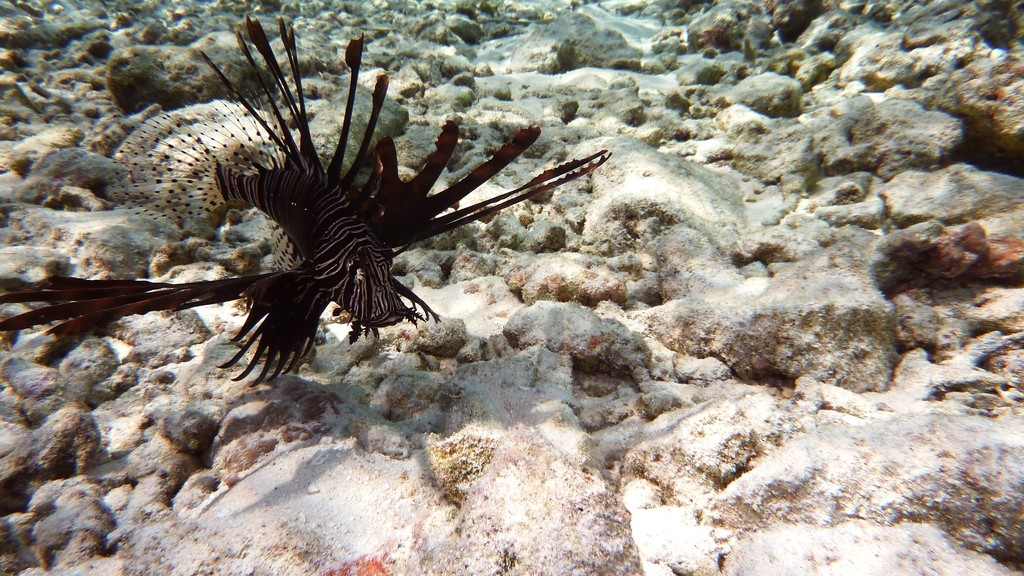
<point x="461" y="459"/>
<point x="70" y="522"/>
<point x="960" y="473"/>
<point x="771" y="94"/>
<point x="66" y="444"/>
<point x="901" y="136"/>
<point x="16" y="466"/>
<point x="988" y="94"/>
<point x="575" y="40"/>
<point x="877" y="60"/>
<point x="827" y="324"/>
<point x="906" y="548"/>
<point x="444" y="338"/>
<point x="566" y="277"/>
<point x="174" y="76"/>
<point x="638" y="196"/>
<point x="592" y="342"/>
<point x="501" y="528"/>
<point x="954" y="195"/>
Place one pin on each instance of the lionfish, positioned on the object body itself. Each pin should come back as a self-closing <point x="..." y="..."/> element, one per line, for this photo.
<point x="339" y="235"/>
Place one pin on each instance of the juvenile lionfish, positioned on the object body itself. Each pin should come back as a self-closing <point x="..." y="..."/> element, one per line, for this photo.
<point x="341" y="236"/>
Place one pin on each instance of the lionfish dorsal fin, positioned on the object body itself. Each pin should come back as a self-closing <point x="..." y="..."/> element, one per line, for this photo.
<point x="380" y="91"/>
<point x="285" y="191"/>
<point x="353" y="59"/>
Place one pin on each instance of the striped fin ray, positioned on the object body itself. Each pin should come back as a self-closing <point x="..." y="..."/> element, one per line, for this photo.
<point x="283" y="194"/>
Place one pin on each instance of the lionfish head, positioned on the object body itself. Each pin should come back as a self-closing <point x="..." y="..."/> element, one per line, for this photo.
<point x="373" y="296"/>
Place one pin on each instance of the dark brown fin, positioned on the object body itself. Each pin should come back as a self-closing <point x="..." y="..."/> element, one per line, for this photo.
<point x="292" y="53"/>
<point x="282" y="323"/>
<point x="393" y="194"/>
<point x="303" y="154"/>
<point x="403" y="212"/>
<point x="63" y="288"/>
<point x="380" y="90"/>
<point x="542" y="183"/>
<point x="416" y="300"/>
<point x="284" y="192"/>
<point x="451" y="196"/>
<point x="84" y="305"/>
<point x="292" y="151"/>
<point x="353" y="58"/>
<point x="437" y="161"/>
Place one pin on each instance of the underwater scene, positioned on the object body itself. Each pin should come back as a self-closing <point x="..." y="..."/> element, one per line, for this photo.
<point x="498" y="287"/>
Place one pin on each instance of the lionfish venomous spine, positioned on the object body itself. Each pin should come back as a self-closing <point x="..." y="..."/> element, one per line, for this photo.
<point x="341" y="237"/>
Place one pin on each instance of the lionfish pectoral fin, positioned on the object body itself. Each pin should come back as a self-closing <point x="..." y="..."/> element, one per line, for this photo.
<point x="437" y="161"/>
<point x="405" y="200"/>
<point x="408" y="208"/>
<point x="390" y="187"/>
<point x="412" y="195"/>
<point x="281" y="324"/>
<point x="523" y="139"/>
<point x="416" y="300"/>
<point x="541" y="183"/>
<point x="84" y="305"/>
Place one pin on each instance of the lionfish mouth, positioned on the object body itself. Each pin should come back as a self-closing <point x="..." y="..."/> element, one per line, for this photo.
<point x="322" y="217"/>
